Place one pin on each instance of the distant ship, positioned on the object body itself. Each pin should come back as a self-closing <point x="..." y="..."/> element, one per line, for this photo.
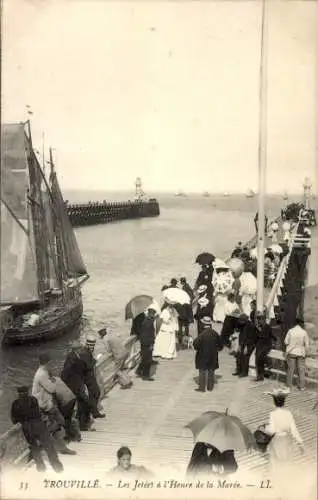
<point x="285" y="196"/>
<point x="206" y="194"/>
<point x="180" y="194"/>
<point x="250" y="194"/>
<point x="226" y="194"/>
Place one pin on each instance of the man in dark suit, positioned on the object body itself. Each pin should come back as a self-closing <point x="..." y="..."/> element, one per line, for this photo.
<point x="73" y="375"/>
<point x="147" y="340"/>
<point x="247" y="342"/>
<point x="264" y="343"/>
<point x="207" y="344"/>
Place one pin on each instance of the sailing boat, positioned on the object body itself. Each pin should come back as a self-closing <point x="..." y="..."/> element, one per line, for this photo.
<point x="285" y="196"/>
<point x="41" y="265"/>
<point x="250" y="194"/>
<point x="180" y="193"/>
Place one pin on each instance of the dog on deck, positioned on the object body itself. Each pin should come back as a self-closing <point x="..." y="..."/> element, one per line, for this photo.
<point x="187" y="342"/>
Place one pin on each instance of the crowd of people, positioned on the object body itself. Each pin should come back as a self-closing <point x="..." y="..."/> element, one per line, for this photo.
<point x="223" y="293"/>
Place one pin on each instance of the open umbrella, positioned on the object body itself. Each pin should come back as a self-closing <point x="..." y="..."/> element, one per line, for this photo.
<point x="275" y="248"/>
<point x="248" y="283"/>
<point x="205" y="258"/>
<point x="138" y="305"/>
<point x="176" y="296"/>
<point x="223" y="431"/>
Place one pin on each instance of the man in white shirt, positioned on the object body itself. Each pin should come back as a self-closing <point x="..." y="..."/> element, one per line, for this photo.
<point x="44" y="389"/>
<point x="297" y="345"/>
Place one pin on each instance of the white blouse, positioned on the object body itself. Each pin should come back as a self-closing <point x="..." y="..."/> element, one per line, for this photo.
<point x="281" y="421"/>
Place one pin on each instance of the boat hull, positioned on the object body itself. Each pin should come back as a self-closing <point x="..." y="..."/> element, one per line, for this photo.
<point x="66" y="318"/>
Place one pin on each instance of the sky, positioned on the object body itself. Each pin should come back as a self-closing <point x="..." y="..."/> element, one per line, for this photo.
<point x="164" y="90"/>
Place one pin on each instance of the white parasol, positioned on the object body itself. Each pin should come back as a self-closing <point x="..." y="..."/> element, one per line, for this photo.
<point x="176" y="296"/>
<point x="248" y="283"/>
<point x="275" y="248"/>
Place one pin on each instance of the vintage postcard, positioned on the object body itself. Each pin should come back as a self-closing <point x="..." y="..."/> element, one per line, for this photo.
<point x="159" y="250"/>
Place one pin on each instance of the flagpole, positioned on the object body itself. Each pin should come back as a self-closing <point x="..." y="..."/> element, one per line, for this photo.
<point x="262" y="160"/>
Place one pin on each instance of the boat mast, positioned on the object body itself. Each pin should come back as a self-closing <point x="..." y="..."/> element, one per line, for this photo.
<point x="57" y="231"/>
<point x="36" y="208"/>
<point x="262" y="159"/>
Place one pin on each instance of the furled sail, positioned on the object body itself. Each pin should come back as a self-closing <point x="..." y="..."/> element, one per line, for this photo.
<point x="75" y="266"/>
<point x="18" y="266"/>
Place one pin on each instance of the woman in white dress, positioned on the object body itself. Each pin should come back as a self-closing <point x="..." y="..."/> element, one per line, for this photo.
<point x="274" y="231"/>
<point x="165" y="343"/>
<point x="283" y="429"/>
<point x="222" y="282"/>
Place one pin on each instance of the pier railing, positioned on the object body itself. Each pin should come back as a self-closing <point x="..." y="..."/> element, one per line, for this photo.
<point x="13" y="447"/>
<point x="278" y="295"/>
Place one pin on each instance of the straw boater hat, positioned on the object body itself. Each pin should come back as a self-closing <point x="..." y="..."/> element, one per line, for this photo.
<point x="90" y="340"/>
<point x="202" y="288"/>
<point x="206" y="321"/>
<point x="281" y="392"/>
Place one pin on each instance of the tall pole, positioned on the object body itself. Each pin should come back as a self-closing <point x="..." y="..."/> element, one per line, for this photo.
<point x="262" y="159"/>
<point x="43" y="154"/>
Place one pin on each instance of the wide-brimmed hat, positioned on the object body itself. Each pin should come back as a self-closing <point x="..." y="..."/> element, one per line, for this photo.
<point x="202" y="288"/>
<point x="281" y="392"/>
<point x="76" y="345"/>
<point x="220" y="264"/>
<point x="22" y="389"/>
<point x="206" y="320"/>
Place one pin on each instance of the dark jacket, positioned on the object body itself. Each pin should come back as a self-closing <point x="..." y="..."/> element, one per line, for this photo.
<point x="147" y="332"/>
<point x="136" y="324"/>
<point x="265" y="340"/>
<point x="73" y="373"/>
<point x="207" y="344"/>
<point x="187" y="288"/>
<point x="248" y="336"/>
<point x="89" y="373"/>
<point x="26" y="411"/>
<point x="204" y="310"/>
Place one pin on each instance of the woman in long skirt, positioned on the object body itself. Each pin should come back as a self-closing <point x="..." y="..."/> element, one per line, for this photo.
<point x="165" y="343"/>
<point x="283" y="429"/>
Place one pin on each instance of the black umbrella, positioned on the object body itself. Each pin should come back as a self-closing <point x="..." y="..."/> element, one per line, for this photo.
<point x="205" y="258"/>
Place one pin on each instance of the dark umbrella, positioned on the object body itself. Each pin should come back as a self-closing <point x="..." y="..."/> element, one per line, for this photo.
<point x="223" y="431"/>
<point x="138" y="304"/>
<point x="205" y="258"/>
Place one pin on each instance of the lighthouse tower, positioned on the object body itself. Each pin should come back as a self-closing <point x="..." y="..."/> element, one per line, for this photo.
<point x="307" y="185"/>
<point x="139" y="194"/>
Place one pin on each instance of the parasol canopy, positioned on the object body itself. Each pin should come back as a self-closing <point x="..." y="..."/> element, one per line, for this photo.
<point x="236" y="266"/>
<point x="254" y="252"/>
<point x="138" y="305"/>
<point x="205" y="258"/>
<point x="248" y="284"/>
<point x="176" y="296"/>
<point x="275" y="248"/>
<point x="223" y="431"/>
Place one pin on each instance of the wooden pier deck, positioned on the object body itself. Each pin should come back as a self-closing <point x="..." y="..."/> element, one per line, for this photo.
<point x="150" y="418"/>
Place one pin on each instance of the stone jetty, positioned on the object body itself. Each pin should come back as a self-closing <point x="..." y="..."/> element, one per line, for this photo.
<point x="91" y="213"/>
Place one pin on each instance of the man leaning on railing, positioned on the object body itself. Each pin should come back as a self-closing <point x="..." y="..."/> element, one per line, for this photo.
<point x="115" y="346"/>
